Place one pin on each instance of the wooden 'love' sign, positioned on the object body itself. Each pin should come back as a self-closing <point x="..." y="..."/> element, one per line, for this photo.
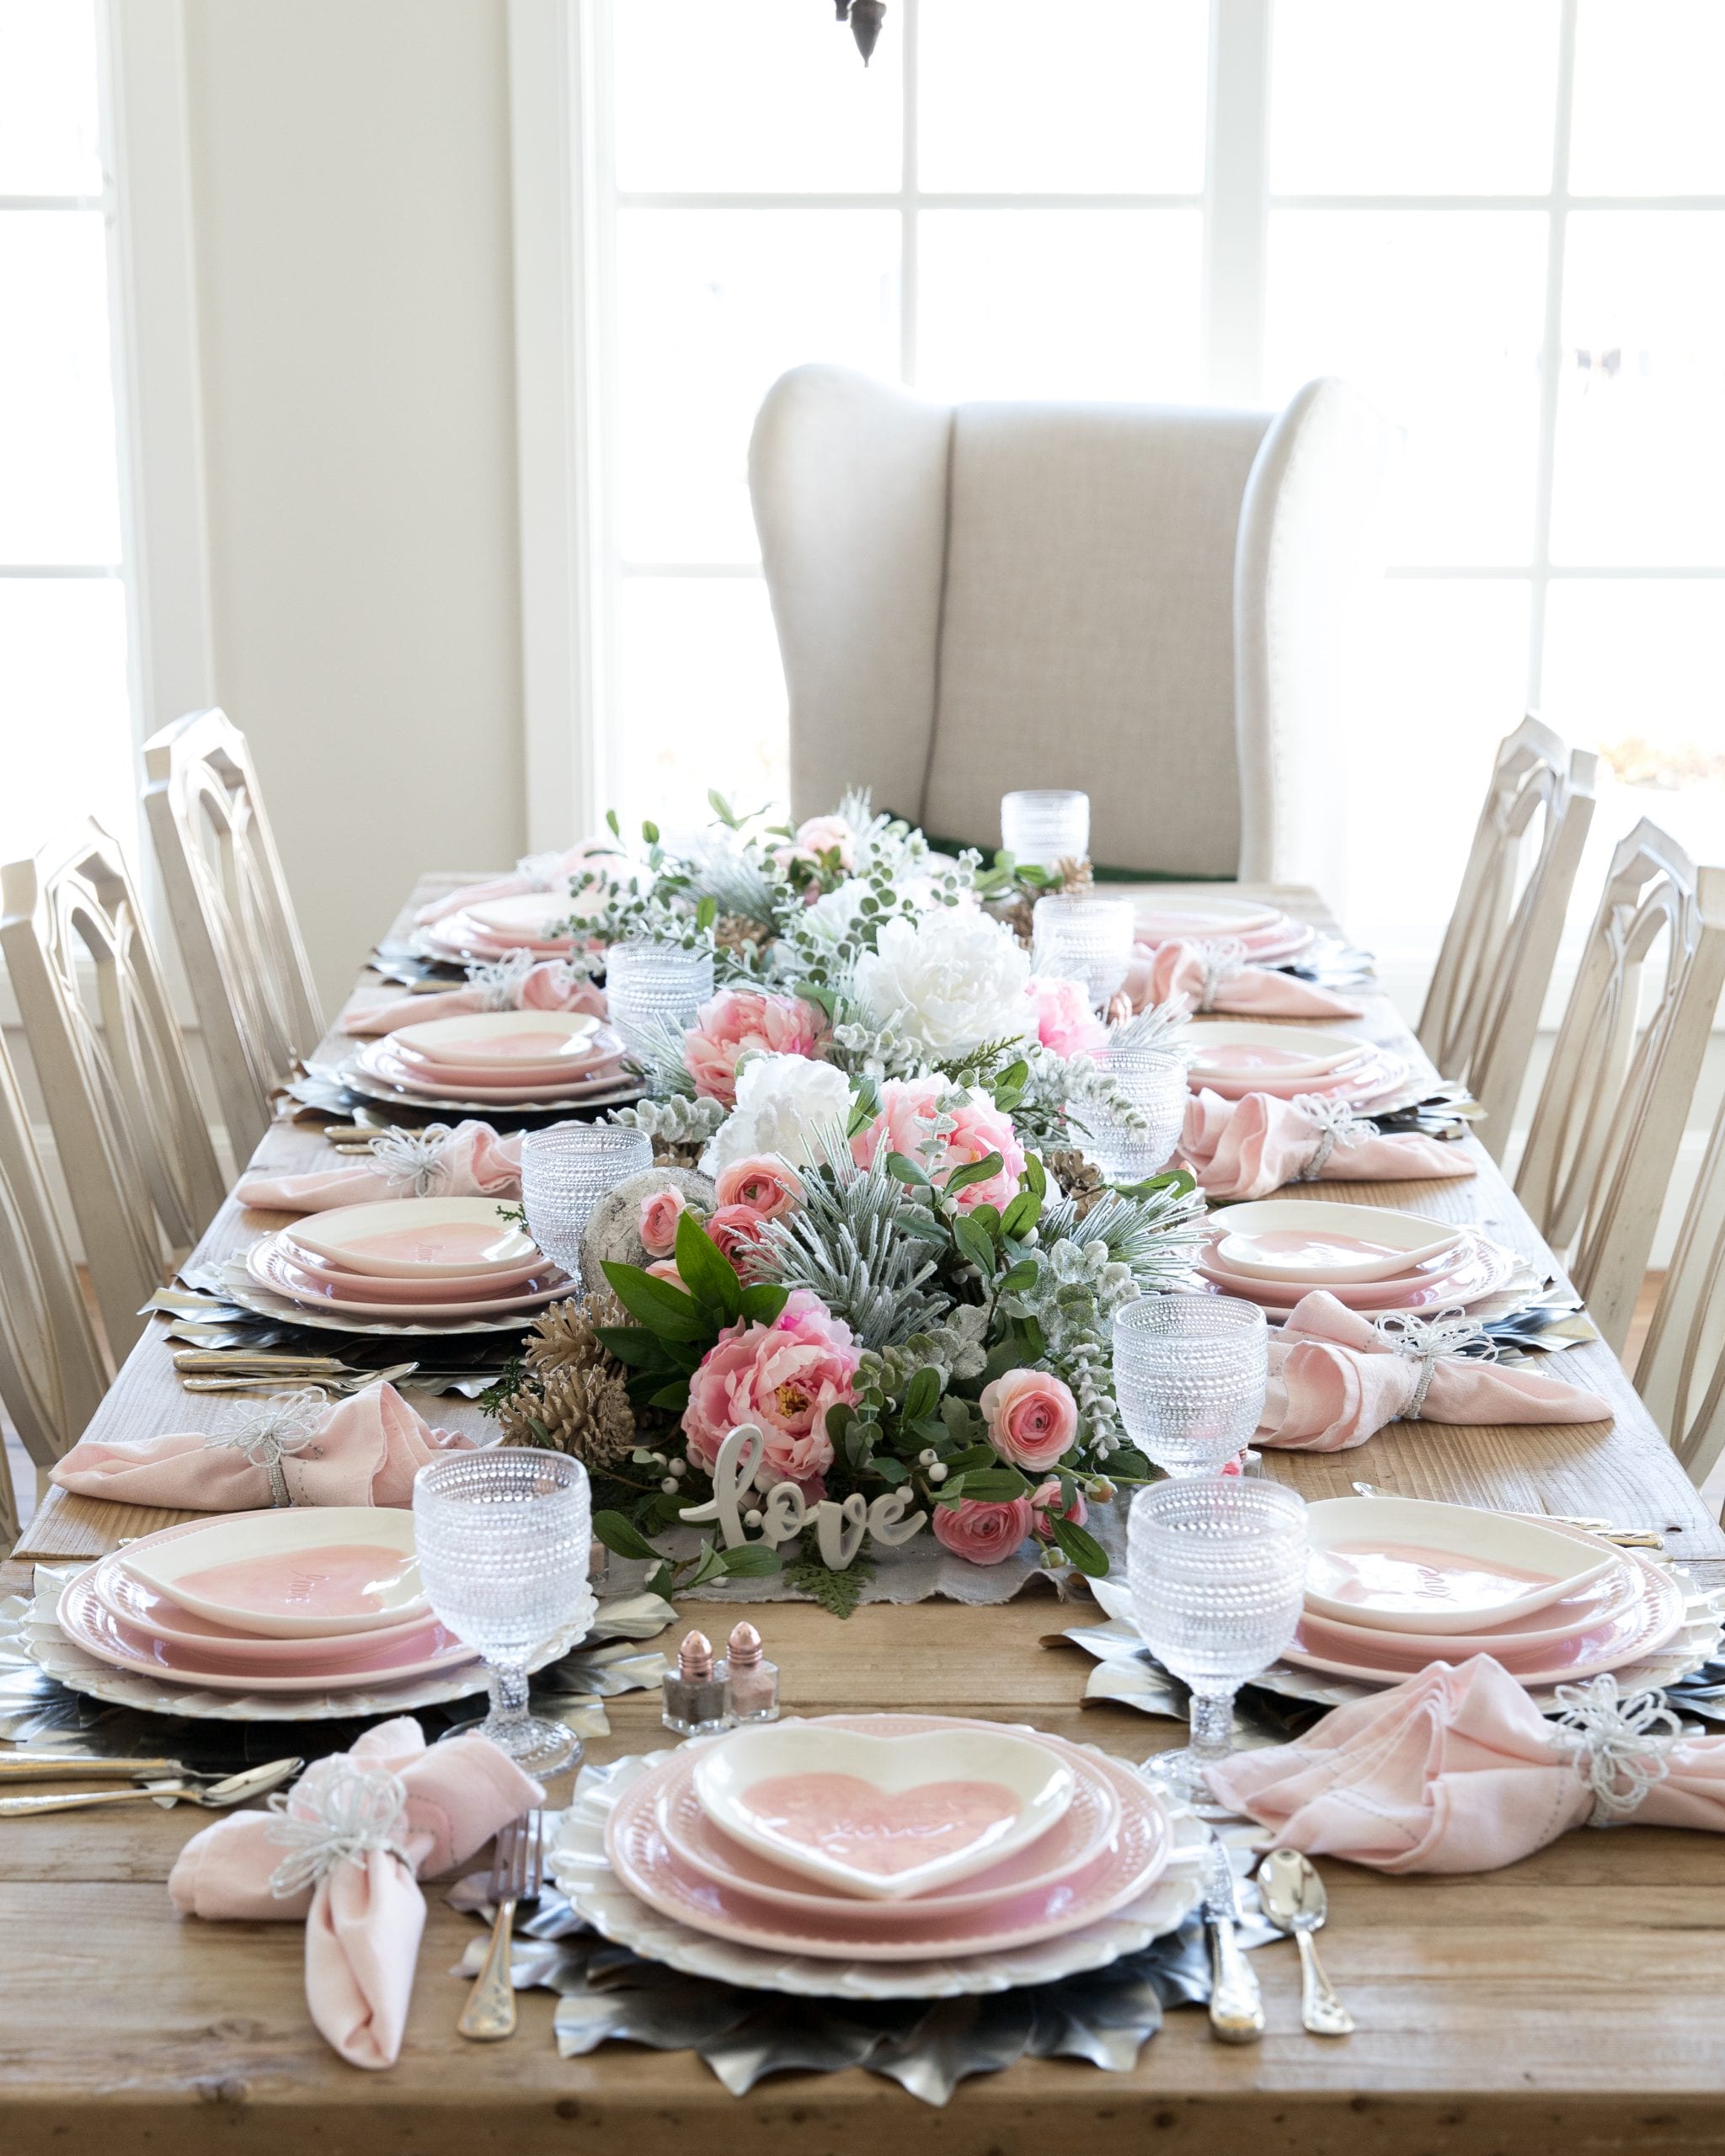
<point x="840" y="1525"/>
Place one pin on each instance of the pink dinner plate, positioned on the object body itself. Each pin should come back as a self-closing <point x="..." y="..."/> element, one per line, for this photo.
<point x="506" y="1039"/>
<point x="459" y="940"/>
<point x="467" y="927"/>
<point x="1601" y="1601"/>
<point x="376" y="1061"/>
<point x="271" y="1270"/>
<point x="523" y="914"/>
<point x="1076" y="1840"/>
<point x="1171" y="922"/>
<point x="1476" y="1266"/>
<point x="407" y="1287"/>
<point x="1653" y="1616"/>
<point x="88" y="1624"/>
<point x="140" y="1609"/>
<point x="650" y="1868"/>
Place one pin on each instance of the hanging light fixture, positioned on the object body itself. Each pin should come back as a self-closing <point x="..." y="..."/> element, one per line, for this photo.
<point x="865" y="17"/>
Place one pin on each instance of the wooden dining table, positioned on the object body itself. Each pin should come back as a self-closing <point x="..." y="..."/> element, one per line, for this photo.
<point x="1573" y="2004"/>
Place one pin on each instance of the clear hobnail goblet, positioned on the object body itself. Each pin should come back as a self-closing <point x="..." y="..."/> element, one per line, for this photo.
<point x="1088" y="940"/>
<point x="1045" y="826"/>
<point x="503" y="1539"/>
<point x="650" y="986"/>
<point x="1216" y="1566"/>
<point x="565" y="1171"/>
<point x="1154" y="1081"/>
<point x="1190" y="1373"/>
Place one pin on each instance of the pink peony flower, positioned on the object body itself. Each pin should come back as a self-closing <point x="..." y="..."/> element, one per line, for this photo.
<point x="1033" y="1417"/>
<point x="984" y="1533"/>
<point x="746" y="1020"/>
<point x="907" y="1119"/>
<point x="658" y="1221"/>
<point x="782" y="1377"/>
<point x="736" y="1229"/>
<point x="763" y="1183"/>
<point x="1064" y="1020"/>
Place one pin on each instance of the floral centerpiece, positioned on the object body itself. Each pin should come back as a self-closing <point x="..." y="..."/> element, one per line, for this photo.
<point x="868" y="1289"/>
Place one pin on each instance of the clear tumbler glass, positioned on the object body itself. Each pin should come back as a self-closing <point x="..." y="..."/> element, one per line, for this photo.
<point x="1154" y="1081"/>
<point x="1088" y="940"/>
<point x="650" y="987"/>
<point x="565" y="1171"/>
<point x="1045" y="827"/>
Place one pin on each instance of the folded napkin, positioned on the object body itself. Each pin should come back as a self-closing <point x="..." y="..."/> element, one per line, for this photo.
<point x="1248" y="1148"/>
<point x="1214" y="977"/>
<point x="536" y="871"/>
<point x="511" y="985"/>
<point x="292" y="1448"/>
<point x="1337" y="1376"/>
<point x="1456" y="1770"/>
<point x="471" y="1161"/>
<point x="345" y="1850"/>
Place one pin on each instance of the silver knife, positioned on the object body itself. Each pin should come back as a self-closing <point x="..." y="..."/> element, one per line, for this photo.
<point x="1235" y="2003"/>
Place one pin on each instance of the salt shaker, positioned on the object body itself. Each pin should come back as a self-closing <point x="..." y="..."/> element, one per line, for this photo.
<point x="753" y="1679"/>
<point x="695" y="1701"/>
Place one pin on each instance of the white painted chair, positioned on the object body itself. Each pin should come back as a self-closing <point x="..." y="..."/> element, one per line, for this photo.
<point x="1623" y="1070"/>
<point x="1681" y="1373"/>
<point x="133" y="1145"/>
<point x="1482" y="1010"/>
<point x="1158" y="605"/>
<point x="51" y="1373"/>
<point x="233" y="917"/>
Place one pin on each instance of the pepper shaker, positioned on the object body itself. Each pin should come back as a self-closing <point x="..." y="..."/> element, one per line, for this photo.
<point x="696" y="1703"/>
<point x="753" y="1680"/>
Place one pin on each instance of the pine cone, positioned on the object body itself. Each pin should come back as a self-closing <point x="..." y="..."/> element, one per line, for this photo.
<point x="1079" y="1179"/>
<point x="565" y="1336"/>
<point x="1019" y="919"/>
<point x="1078" y="879"/>
<point x="580" y="1410"/>
<point x="740" y="931"/>
<point x="674" y="1153"/>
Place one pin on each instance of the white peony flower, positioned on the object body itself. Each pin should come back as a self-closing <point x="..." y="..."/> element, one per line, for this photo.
<point x="784" y="1103"/>
<point x="836" y="912"/>
<point x="952" y="978"/>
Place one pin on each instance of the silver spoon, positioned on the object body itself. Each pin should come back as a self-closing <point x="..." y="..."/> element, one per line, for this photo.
<point x="216" y="1796"/>
<point x="1293" y="1901"/>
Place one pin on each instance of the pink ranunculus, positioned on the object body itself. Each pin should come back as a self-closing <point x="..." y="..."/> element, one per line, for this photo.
<point x="665" y="1269"/>
<point x="1046" y="1500"/>
<point x="986" y="1534"/>
<point x="1065" y="1021"/>
<point x="906" y="1120"/>
<point x="660" y="1213"/>
<point x="736" y="1230"/>
<point x="908" y="1109"/>
<point x="1033" y="1417"/>
<point x="820" y="835"/>
<point x="783" y="1377"/>
<point x="742" y="1021"/>
<point x="763" y="1183"/>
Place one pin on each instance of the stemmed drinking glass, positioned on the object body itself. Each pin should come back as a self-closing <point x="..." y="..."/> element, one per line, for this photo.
<point x="1217" y="1571"/>
<point x="565" y="1171"/>
<point x="503" y="1539"/>
<point x="1190" y="1373"/>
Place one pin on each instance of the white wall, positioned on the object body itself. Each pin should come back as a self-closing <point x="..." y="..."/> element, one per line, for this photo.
<point x="350" y="184"/>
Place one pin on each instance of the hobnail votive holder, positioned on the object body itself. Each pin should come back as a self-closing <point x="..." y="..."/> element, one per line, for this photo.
<point x="1085" y="939"/>
<point x="565" y="1171"/>
<point x="1153" y="1079"/>
<point x="502" y="1537"/>
<point x="1190" y="1373"/>
<point x="1045" y="826"/>
<point x="649" y="986"/>
<point x="1216" y="1570"/>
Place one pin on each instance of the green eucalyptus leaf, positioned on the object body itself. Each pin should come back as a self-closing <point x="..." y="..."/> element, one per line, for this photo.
<point x="921" y="1394"/>
<point x="976" y="1243"/>
<point x="905" y="1170"/>
<point x="1022" y="1215"/>
<point x="1086" y="1552"/>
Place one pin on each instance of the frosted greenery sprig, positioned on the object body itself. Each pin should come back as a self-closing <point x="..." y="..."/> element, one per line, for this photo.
<point x="683" y="1120"/>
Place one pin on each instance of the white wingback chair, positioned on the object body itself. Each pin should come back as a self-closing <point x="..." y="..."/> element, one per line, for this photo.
<point x="1160" y="605"/>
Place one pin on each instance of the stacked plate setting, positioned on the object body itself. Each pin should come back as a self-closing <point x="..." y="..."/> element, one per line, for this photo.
<point x="415" y="1261"/>
<point x="501" y="927"/>
<point x="888" y="1839"/>
<point x="1368" y="1257"/>
<point x="509" y="1060"/>
<point x="1234" y="1057"/>
<point x="313" y="1600"/>
<point x="1394" y="1584"/>
<point x="1266" y="936"/>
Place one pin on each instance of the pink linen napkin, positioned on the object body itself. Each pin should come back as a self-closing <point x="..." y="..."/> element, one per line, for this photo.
<point x="549" y="986"/>
<point x="409" y="1811"/>
<point x="290" y="1448"/>
<point x="471" y="1161"/>
<point x="1456" y="1770"/>
<point x="1248" y="1148"/>
<point x="1336" y="1379"/>
<point x="537" y="872"/>
<point x="1214" y="979"/>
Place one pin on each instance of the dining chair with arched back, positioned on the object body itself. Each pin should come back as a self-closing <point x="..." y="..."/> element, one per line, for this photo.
<point x="134" y="1148"/>
<point x="1681" y="1373"/>
<point x="233" y="918"/>
<point x="1483" y="1008"/>
<point x="1616" y="1099"/>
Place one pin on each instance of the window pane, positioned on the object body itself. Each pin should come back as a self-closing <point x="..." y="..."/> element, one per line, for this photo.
<point x="1399" y="97"/>
<point x="763" y="96"/>
<point x="1648" y="79"/>
<point x="1094" y="96"/>
<point x="1059" y="302"/>
<point x="1640" y="475"/>
<point x="67" y="717"/>
<point x="1437" y="316"/>
<point x="699" y="700"/>
<point x="58" y="498"/>
<point x="713" y="305"/>
<point x="1633" y="666"/>
<point x="48" y="127"/>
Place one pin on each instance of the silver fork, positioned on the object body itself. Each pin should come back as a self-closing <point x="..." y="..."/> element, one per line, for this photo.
<point x="517" y="1871"/>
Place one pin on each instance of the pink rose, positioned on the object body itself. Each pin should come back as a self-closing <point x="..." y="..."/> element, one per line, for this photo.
<point x="736" y="1230"/>
<point x="1065" y="1021"/>
<point x="1033" y="1417"/>
<point x="658" y="1221"/>
<point x="908" y="1108"/>
<point x="763" y="1183"/>
<point x="1047" y="1500"/>
<point x="986" y="1534"/>
<point x="782" y="1377"/>
<point x="742" y="1021"/>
